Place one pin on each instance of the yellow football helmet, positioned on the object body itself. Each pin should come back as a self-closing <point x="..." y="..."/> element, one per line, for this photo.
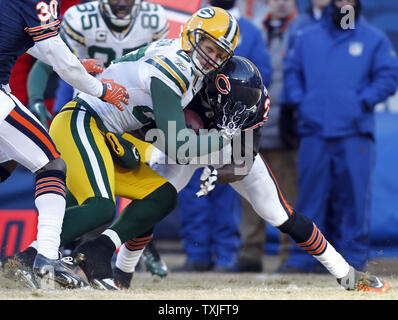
<point x="214" y="24"/>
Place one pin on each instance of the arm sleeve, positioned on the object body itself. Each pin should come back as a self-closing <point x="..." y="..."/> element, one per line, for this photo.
<point x="37" y="81"/>
<point x="55" y="52"/>
<point x="384" y="75"/>
<point x="168" y="110"/>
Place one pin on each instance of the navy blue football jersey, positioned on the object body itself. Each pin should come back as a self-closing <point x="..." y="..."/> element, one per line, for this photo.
<point x="22" y="22"/>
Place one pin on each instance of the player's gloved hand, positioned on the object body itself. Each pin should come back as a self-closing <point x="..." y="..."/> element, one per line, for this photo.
<point x="114" y="93"/>
<point x="39" y="109"/>
<point x="232" y="118"/>
<point x="208" y="181"/>
<point x="93" y="66"/>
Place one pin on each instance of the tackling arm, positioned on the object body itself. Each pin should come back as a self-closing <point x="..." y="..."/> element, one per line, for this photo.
<point x="168" y="111"/>
<point x="54" y="52"/>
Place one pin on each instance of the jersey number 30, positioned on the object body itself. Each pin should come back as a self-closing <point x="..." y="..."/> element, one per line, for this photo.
<point x="47" y="11"/>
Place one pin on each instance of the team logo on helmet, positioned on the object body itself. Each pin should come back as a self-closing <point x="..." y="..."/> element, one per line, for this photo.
<point x="222" y="84"/>
<point x="206" y="13"/>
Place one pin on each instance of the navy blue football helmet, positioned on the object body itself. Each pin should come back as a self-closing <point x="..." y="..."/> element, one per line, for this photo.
<point x="234" y="92"/>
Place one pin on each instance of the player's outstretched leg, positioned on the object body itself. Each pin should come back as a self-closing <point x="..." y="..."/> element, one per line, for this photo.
<point x="94" y="256"/>
<point x="306" y="234"/>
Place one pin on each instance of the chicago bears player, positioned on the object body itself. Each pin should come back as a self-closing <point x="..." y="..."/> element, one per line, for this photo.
<point x="104" y="30"/>
<point x="237" y="86"/>
<point x="161" y="78"/>
<point x="32" y="26"/>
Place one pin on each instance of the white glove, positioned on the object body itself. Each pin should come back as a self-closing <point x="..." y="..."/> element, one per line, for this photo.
<point x="208" y="181"/>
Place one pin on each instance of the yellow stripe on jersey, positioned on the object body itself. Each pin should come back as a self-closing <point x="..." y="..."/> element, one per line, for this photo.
<point x="172" y="72"/>
<point x="71" y="33"/>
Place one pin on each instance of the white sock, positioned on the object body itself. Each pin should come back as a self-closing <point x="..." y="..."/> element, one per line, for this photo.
<point x="333" y="261"/>
<point x="127" y="260"/>
<point x="51" y="208"/>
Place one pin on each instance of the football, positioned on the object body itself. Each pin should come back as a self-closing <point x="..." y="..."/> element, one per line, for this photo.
<point x="193" y="121"/>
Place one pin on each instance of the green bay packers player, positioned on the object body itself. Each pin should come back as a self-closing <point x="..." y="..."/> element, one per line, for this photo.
<point x="104" y="30"/>
<point x="161" y="79"/>
<point x="107" y="29"/>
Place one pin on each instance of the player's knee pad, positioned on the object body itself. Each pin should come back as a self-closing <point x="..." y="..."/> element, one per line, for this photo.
<point x="298" y="227"/>
<point x="4" y="174"/>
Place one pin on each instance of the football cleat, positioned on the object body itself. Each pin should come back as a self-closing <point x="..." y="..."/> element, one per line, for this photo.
<point x="94" y="258"/>
<point x="107" y="284"/>
<point x="19" y="268"/>
<point x="361" y="281"/>
<point x="372" y="283"/>
<point x="121" y="278"/>
<point x="27" y="277"/>
<point x="153" y="263"/>
<point x="50" y="270"/>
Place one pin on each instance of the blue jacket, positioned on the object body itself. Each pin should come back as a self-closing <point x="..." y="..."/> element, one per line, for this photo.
<point x="304" y="20"/>
<point x="252" y="46"/>
<point x="338" y="76"/>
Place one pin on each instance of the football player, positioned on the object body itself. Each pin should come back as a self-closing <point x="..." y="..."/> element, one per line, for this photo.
<point x="32" y="26"/>
<point x="237" y="86"/>
<point x="104" y="30"/>
<point x="161" y="78"/>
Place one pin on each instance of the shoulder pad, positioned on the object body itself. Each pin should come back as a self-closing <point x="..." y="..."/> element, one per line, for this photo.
<point x="175" y="67"/>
